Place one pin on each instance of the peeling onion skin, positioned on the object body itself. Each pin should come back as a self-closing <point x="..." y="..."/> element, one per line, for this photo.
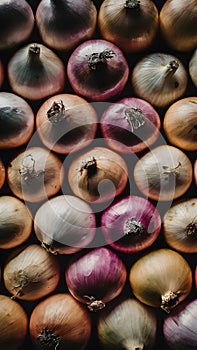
<point x="131" y="29"/>
<point x="161" y="278"/>
<point x="17" y="22"/>
<point x="193" y="68"/>
<point x="36" y="72"/>
<point x="180" y="124"/>
<point x="1" y="74"/>
<point x="180" y="226"/>
<point x="14" y="324"/>
<point x="2" y="174"/>
<point x="178" y="24"/>
<point x="16" y="121"/>
<point x="164" y="173"/>
<point x="64" y="24"/>
<point x="60" y="322"/>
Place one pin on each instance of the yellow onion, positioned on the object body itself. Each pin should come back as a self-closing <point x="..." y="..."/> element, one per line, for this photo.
<point x="2" y="174"/>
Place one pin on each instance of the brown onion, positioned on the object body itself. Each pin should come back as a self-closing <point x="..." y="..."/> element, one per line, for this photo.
<point x="164" y="173"/>
<point x="98" y="175"/>
<point x="13" y="324"/>
<point x="2" y="174"/>
<point x="31" y="274"/>
<point x="35" y="72"/>
<point x="1" y="73"/>
<point x="60" y="322"/>
<point x="66" y="123"/>
<point x="15" y="222"/>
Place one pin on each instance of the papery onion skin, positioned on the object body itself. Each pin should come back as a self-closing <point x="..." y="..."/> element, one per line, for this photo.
<point x="178" y="24"/>
<point x="36" y="72"/>
<point x="180" y="124"/>
<point x="193" y="68"/>
<point x="164" y="173"/>
<point x="16" y="121"/>
<point x="127" y="324"/>
<point x="63" y="24"/>
<point x="2" y="174"/>
<point x="65" y="224"/>
<point x="17" y="22"/>
<point x="180" y="226"/>
<point x="15" y="222"/>
<point x="96" y="277"/>
<point x="1" y="73"/>
<point x="60" y="322"/>
<point x="159" y="78"/>
<point x="97" y="70"/>
<point x="98" y="175"/>
<point x="133" y="29"/>
<point x="131" y="225"/>
<point x="71" y="128"/>
<point x="161" y="278"/>
<point x="32" y="274"/>
<point x="130" y="125"/>
<point x="180" y="328"/>
<point x="35" y="174"/>
<point x="13" y="324"/>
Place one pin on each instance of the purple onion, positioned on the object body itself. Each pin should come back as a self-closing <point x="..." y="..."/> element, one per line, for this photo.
<point x="131" y="224"/>
<point x="96" y="277"/>
<point x="97" y="70"/>
<point x="180" y="329"/>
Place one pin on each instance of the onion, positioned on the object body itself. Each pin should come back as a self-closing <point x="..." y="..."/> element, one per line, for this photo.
<point x="35" y="174"/>
<point x="66" y="123"/>
<point x="2" y="174"/>
<point x="180" y="226"/>
<point x="130" y="24"/>
<point x="60" y="322"/>
<point x="96" y="277"/>
<point x="35" y="72"/>
<point x="17" y="22"/>
<point x="98" y="175"/>
<point x="97" y="70"/>
<point x="180" y="328"/>
<point x="16" y="121"/>
<point x="127" y="324"/>
<point x="130" y="125"/>
<point x="180" y="124"/>
<point x="63" y="24"/>
<point x="31" y="274"/>
<point x="1" y="73"/>
<point x="159" y="78"/>
<point x="65" y="224"/>
<point x="131" y="225"/>
<point x="13" y="324"/>
<point x="15" y="222"/>
<point x="164" y="173"/>
<point x="178" y="24"/>
<point x="193" y="68"/>
<point x="161" y="278"/>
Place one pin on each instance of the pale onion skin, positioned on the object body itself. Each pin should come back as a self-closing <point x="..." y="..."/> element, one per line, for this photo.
<point x="159" y="273"/>
<point x="131" y="29"/>
<point x="36" y="72"/>
<point x="193" y="68"/>
<point x="35" y="174"/>
<point x="178" y="24"/>
<point x="127" y="324"/>
<point x="17" y="22"/>
<point x="64" y="24"/>
<point x="156" y="81"/>
<point x="65" y="224"/>
<point x="164" y="173"/>
<point x="66" y="321"/>
<point x="180" y="124"/>
<point x="32" y="274"/>
<point x="98" y="166"/>
<point x="15" y="222"/>
<point x="180" y="226"/>
<point x="13" y="324"/>
<point x="2" y="174"/>
<point x="15" y="111"/>
<point x="76" y="128"/>
<point x="1" y="73"/>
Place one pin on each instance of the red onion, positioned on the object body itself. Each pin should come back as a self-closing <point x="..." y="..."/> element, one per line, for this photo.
<point x="2" y="174"/>
<point x="63" y="24"/>
<point x="97" y="70"/>
<point x="131" y="225"/>
<point x="180" y="328"/>
<point x="130" y="125"/>
<point x="96" y="277"/>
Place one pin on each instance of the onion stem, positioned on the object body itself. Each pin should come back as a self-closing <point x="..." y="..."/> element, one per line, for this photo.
<point x="57" y="112"/>
<point x="171" y="68"/>
<point x="95" y="305"/>
<point x="129" y="345"/>
<point x="133" y="227"/>
<point x="191" y="229"/>
<point x="132" y="4"/>
<point x="34" y="53"/>
<point x="171" y="171"/>
<point x="169" y="300"/>
<point x="135" y="117"/>
<point x="90" y="165"/>
<point x="49" y="248"/>
<point x="48" y="340"/>
<point x="27" y="170"/>
<point x="99" y="59"/>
